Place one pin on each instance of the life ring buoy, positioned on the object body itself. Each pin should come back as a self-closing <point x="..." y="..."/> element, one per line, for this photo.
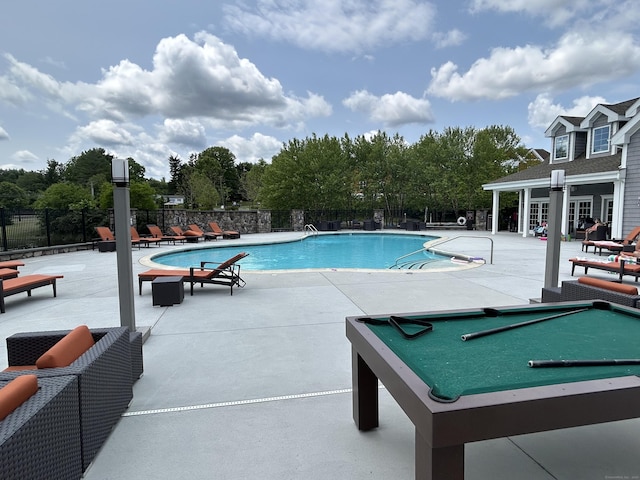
<point x="462" y="221"/>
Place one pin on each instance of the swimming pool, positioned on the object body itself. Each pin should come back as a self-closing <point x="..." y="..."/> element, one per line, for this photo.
<point x="328" y="251"/>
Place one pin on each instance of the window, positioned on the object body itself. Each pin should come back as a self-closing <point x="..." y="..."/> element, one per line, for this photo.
<point x="600" y="139"/>
<point x="562" y="147"/>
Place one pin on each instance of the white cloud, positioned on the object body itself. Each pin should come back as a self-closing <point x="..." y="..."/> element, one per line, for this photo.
<point x="3" y="134"/>
<point x="252" y="149"/>
<point x="203" y="78"/>
<point x="184" y="132"/>
<point x="391" y="109"/>
<point x="579" y="59"/>
<point x="24" y="156"/>
<point x="556" y="12"/>
<point x="542" y="111"/>
<point x="105" y="133"/>
<point x="334" y="25"/>
<point x="451" y="38"/>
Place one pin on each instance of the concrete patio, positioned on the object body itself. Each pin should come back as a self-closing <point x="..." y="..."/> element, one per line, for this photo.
<point x="257" y="385"/>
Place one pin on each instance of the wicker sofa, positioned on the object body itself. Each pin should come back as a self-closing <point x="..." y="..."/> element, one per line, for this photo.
<point x="587" y="288"/>
<point x="41" y="438"/>
<point x="104" y="375"/>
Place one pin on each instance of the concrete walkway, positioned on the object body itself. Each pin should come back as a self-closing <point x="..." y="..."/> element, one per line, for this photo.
<point x="256" y="385"/>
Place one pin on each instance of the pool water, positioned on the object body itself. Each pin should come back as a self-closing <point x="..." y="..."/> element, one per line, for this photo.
<point x="352" y="250"/>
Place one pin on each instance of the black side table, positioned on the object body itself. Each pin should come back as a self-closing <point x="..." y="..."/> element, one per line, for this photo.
<point x="167" y="291"/>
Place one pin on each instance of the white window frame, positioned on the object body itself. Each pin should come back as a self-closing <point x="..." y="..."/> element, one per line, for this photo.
<point x="603" y="147"/>
<point x="557" y="143"/>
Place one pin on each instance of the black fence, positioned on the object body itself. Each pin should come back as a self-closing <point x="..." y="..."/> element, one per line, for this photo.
<point x="21" y="229"/>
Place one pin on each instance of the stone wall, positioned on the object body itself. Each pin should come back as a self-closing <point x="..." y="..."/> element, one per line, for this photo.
<point x="243" y="221"/>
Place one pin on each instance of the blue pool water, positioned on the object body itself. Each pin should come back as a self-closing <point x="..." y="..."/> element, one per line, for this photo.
<point x="352" y="250"/>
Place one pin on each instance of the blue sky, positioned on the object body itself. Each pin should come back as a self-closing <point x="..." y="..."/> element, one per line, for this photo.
<point x="148" y="79"/>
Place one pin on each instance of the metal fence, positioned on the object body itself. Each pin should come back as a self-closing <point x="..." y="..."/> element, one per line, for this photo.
<point x="21" y="229"/>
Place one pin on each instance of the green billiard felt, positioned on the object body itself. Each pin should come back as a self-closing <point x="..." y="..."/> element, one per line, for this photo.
<point x="498" y="362"/>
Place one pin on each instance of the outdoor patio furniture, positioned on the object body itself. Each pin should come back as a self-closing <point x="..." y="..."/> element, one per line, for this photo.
<point x="11" y="264"/>
<point x="155" y="231"/>
<point x="206" y="235"/>
<point x="226" y="273"/>
<point x="13" y="286"/>
<point x="104" y="375"/>
<point x="215" y="228"/>
<point x="589" y="288"/>
<point x="108" y="240"/>
<point x="6" y="273"/>
<point x="135" y="236"/>
<point x="190" y="235"/>
<point x="619" y="267"/>
<point x="41" y="437"/>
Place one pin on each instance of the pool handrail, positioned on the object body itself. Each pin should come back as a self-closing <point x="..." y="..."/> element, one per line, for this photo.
<point x="310" y="229"/>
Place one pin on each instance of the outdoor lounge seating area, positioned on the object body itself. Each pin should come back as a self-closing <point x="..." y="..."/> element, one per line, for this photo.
<point x="100" y="365"/>
<point x="226" y="273"/>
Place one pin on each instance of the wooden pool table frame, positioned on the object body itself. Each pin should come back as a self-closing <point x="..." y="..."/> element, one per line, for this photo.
<point x="442" y="429"/>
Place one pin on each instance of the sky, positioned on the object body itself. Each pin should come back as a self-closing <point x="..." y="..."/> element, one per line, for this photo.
<point x="150" y="79"/>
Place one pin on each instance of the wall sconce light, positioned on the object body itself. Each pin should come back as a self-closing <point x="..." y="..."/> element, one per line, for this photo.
<point x="557" y="180"/>
<point x="120" y="172"/>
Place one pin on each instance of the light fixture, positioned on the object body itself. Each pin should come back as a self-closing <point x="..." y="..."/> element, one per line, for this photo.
<point x="557" y="180"/>
<point x="120" y="172"/>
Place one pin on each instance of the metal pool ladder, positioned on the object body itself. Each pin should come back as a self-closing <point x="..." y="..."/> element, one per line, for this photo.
<point x="310" y="229"/>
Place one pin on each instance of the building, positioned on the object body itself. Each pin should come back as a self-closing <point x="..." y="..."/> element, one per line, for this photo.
<point x="600" y="154"/>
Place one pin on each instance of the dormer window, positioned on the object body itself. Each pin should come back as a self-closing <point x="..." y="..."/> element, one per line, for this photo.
<point x="561" y="147"/>
<point x="601" y="139"/>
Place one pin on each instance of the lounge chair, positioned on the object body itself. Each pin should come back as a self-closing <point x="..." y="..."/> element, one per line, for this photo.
<point x="207" y="235"/>
<point x="215" y="228"/>
<point x="155" y="232"/>
<point x="190" y="235"/>
<point x="135" y="236"/>
<point x="226" y="273"/>
<point x="27" y="283"/>
<point x="106" y="235"/>
<point x="6" y="273"/>
<point x="612" y="245"/>
<point x="11" y="264"/>
<point x="619" y="267"/>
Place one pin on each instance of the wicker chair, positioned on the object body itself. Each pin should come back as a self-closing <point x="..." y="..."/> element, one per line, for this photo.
<point x="105" y="376"/>
<point x="573" y="290"/>
<point x="41" y="438"/>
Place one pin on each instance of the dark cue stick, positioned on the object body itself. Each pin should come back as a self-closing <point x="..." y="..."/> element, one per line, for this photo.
<point x="483" y="333"/>
<point x="583" y="363"/>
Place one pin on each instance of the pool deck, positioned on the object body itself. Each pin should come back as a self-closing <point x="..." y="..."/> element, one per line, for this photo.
<point x="257" y="385"/>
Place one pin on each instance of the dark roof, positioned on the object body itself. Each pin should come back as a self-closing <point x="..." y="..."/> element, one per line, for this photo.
<point x="576" y="121"/>
<point x="621" y="108"/>
<point x="543" y="154"/>
<point x="579" y="166"/>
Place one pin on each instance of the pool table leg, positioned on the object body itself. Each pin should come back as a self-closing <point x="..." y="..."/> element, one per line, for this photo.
<point x="365" y="393"/>
<point x="446" y="463"/>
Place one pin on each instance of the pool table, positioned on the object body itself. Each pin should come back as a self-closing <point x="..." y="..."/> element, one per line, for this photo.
<point x="457" y="391"/>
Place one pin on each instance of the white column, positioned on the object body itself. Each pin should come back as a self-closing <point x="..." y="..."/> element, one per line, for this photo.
<point x="526" y="212"/>
<point x="495" y="212"/>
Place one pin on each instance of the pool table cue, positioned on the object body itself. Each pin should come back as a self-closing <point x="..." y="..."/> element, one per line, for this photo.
<point x="583" y="363"/>
<point x="504" y="328"/>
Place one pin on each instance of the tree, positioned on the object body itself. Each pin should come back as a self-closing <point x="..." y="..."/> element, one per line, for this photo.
<point x="252" y="180"/>
<point x="141" y="196"/>
<point x="88" y="167"/>
<point x="12" y="196"/>
<point x="62" y="196"/>
<point x="54" y="172"/>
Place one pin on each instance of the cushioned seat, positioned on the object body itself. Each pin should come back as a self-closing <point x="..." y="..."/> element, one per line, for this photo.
<point x="40" y="438"/>
<point x="104" y="374"/>
<point x="13" y="286"/>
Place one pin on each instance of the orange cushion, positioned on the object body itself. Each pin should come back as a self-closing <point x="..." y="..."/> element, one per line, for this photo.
<point x="68" y="349"/>
<point x="607" y="285"/>
<point x="16" y="392"/>
<point x="191" y="233"/>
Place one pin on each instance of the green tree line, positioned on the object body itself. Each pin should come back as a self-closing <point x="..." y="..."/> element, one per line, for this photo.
<point x="442" y="171"/>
